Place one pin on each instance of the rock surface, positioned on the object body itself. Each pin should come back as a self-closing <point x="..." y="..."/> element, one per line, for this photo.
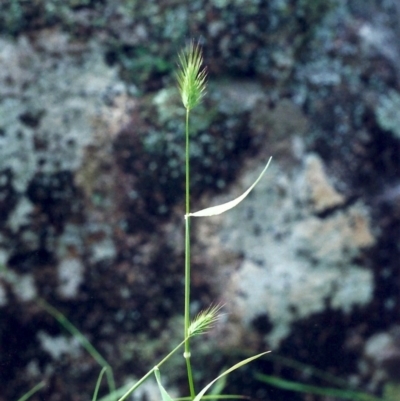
<point x="293" y="262"/>
<point x="91" y="188"/>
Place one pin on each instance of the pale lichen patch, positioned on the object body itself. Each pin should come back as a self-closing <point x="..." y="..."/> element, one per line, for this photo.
<point x="290" y="263"/>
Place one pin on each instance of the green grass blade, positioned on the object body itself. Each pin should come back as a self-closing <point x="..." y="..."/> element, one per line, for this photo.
<point x="164" y="394"/>
<point x="200" y="395"/>
<point x="32" y="391"/>
<point x="64" y="322"/>
<point x="86" y="344"/>
<point x="218" y="387"/>
<point x="324" y="391"/>
<point x="96" y="390"/>
<point x="214" y="210"/>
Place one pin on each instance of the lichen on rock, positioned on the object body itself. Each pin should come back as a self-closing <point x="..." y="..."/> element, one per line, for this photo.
<point x="290" y="262"/>
<point x="387" y="113"/>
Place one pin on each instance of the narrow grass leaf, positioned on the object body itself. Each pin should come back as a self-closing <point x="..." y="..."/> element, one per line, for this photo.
<point x="86" y="344"/>
<point x="324" y="391"/>
<point x="96" y="390"/>
<point x="219" y="386"/>
<point x="32" y="391"/>
<point x="165" y="396"/>
<point x="214" y="210"/>
<point x="200" y="395"/>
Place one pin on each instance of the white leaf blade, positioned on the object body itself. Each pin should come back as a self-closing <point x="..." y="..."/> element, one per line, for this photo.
<point x="231" y="369"/>
<point x="219" y="209"/>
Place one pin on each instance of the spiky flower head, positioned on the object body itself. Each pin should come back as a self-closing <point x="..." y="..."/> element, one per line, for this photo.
<point x="205" y="320"/>
<point x="191" y="77"/>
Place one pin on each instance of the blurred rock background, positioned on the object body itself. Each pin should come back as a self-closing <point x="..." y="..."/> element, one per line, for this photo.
<point x="92" y="181"/>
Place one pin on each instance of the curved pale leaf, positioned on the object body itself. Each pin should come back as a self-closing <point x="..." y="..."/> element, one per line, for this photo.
<point x="214" y="210"/>
<point x="231" y="369"/>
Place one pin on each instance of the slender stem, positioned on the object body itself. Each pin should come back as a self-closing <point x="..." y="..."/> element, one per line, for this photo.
<point x="137" y="384"/>
<point x="187" y="264"/>
<point x="187" y="163"/>
<point x="148" y="374"/>
<point x="187" y="283"/>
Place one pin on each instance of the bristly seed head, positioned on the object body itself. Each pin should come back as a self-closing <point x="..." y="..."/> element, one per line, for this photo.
<point x="205" y="320"/>
<point x="191" y="78"/>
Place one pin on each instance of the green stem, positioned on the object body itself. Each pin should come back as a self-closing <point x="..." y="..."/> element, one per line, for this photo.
<point x="148" y="374"/>
<point x="137" y="384"/>
<point x="187" y="264"/>
<point x="187" y="150"/>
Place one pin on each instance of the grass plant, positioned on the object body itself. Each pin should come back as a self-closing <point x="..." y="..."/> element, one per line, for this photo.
<point x="191" y="77"/>
<point x="192" y="83"/>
